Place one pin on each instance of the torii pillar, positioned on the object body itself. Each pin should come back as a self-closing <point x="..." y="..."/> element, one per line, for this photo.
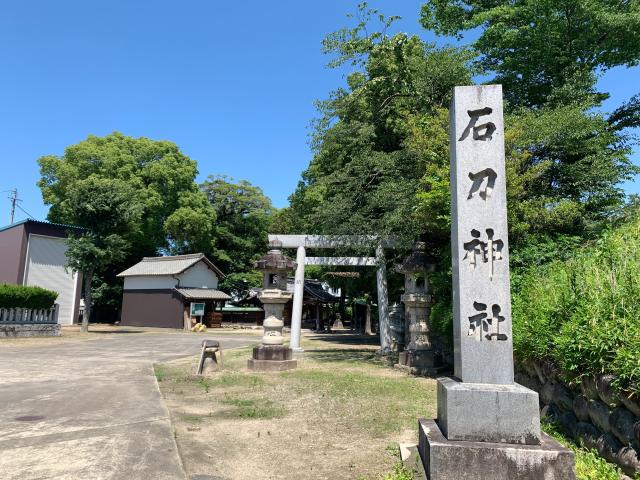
<point x="298" y="294"/>
<point x="383" y="302"/>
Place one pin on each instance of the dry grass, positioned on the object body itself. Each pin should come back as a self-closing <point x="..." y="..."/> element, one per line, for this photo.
<point x="334" y="417"/>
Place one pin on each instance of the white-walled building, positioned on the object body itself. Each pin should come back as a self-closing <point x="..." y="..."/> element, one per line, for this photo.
<point x="34" y="253"/>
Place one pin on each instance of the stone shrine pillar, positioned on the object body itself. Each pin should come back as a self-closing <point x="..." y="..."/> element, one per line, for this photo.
<point x="419" y="355"/>
<point x="488" y="427"/>
<point x="272" y="355"/>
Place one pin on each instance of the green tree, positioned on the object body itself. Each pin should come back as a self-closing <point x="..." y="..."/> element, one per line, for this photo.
<point x="565" y="157"/>
<point x="191" y="227"/>
<point x="381" y="162"/>
<point x="367" y="169"/>
<point x="242" y="214"/>
<point x="543" y="51"/>
<point x="162" y="178"/>
<point x="109" y="210"/>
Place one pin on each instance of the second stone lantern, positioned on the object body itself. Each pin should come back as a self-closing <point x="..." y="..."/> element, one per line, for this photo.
<point x="272" y="354"/>
<point x="419" y="355"/>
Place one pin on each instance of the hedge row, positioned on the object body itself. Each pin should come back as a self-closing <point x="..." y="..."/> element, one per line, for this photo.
<point x="583" y="314"/>
<point x="19" y="296"/>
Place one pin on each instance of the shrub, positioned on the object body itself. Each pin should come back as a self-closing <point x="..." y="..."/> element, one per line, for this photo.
<point x="583" y="313"/>
<point x="19" y="296"/>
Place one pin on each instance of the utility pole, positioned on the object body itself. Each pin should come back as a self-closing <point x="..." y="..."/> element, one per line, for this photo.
<point x="14" y="199"/>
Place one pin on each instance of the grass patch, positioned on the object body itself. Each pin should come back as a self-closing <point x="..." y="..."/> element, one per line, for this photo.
<point x="192" y="418"/>
<point x="400" y="472"/>
<point x="379" y="404"/>
<point x="254" y="408"/>
<point x="160" y="371"/>
<point x="230" y="379"/>
<point x="349" y="356"/>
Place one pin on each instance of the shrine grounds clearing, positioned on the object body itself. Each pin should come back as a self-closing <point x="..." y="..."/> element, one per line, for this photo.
<point x="339" y="415"/>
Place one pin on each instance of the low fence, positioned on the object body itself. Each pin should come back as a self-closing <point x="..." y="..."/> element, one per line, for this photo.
<point x="28" y="316"/>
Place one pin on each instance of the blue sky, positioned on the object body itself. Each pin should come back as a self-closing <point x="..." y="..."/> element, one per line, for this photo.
<point x="232" y="83"/>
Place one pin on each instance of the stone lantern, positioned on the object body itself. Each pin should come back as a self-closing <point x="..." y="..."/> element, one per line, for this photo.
<point x="419" y="355"/>
<point x="272" y="355"/>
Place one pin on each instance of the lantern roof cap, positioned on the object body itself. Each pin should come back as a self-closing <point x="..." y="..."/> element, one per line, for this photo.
<point x="275" y="259"/>
<point x="417" y="261"/>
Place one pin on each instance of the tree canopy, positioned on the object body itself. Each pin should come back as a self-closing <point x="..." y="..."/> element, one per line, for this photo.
<point x="158" y="171"/>
<point x="380" y="144"/>
<point x="543" y="51"/>
<point x="123" y="190"/>
<point x="375" y="141"/>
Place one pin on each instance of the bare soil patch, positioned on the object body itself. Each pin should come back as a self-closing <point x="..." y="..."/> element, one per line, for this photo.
<point x="339" y="415"/>
<point x="71" y="333"/>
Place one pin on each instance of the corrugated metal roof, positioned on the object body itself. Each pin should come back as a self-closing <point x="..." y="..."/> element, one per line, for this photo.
<point x="203" y="294"/>
<point x="41" y="222"/>
<point x="167" y="265"/>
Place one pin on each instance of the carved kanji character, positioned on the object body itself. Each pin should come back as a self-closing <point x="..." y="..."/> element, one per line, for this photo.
<point x="488" y="127"/>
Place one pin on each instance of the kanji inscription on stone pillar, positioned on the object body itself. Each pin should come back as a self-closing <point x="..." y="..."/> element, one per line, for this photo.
<point x="482" y="299"/>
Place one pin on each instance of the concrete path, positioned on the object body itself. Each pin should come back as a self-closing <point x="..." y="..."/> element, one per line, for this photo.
<point x="91" y="410"/>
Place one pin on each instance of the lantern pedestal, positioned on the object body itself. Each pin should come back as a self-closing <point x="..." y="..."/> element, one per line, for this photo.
<point x="272" y="358"/>
<point x="272" y="355"/>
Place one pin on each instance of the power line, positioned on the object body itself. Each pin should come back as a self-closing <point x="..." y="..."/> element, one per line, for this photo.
<point x="25" y="212"/>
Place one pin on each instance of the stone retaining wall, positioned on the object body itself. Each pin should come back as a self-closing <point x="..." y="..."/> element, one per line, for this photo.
<point x="29" y="330"/>
<point x="593" y="414"/>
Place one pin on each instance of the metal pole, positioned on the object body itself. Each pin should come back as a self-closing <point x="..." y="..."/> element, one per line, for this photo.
<point x="14" y="199"/>
<point x="298" y="294"/>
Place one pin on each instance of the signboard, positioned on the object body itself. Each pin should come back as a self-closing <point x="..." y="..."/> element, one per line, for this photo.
<point x="197" y="309"/>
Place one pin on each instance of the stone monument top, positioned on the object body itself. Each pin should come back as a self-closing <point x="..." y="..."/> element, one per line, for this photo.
<point x="481" y="291"/>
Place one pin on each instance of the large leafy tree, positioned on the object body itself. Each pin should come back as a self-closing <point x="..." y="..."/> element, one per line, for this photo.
<point x="242" y="215"/>
<point x="381" y="162"/>
<point x="543" y="50"/>
<point x="109" y="210"/>
<point x="162" y="178"/>
<point x="367" y="168"/>
<point x="565" y="156"/>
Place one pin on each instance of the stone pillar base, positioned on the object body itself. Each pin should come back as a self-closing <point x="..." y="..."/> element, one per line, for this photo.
<point x="479" y="412"/>
<point x="419" y="362"/>
<point x="419" y="359"/>
<point x="272" y="358"/>
<point x="30" y="330"/>
<point x="452" y="460"/>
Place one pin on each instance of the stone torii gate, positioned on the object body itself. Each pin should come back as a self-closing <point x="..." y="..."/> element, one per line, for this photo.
<point x="302" y="242"/>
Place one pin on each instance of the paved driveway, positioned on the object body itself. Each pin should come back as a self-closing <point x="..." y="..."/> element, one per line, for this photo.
<point x="91" y="410"/>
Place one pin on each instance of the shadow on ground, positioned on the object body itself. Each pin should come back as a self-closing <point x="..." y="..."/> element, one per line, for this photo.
<point x="110" y="332"/>
<point x="346" y="338"/>
<point x="342" y="355"/>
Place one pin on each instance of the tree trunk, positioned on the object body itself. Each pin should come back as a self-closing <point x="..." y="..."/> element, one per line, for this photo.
<point x="88" y="278"/>
<point x="367" y="324"/>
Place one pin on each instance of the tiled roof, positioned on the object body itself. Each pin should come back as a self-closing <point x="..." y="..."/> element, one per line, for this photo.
<point x="203" y="294"/>
<point x="167" y="265"/>
<point x="313" y="290"/>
